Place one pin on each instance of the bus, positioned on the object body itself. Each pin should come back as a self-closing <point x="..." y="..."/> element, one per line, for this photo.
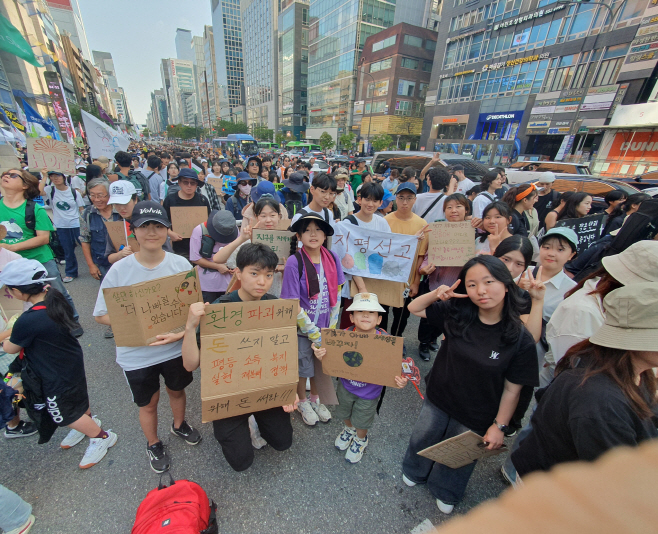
<point x="264" y="145"/>
<point x="242" y="143"/>
<point x="299" y="145"/>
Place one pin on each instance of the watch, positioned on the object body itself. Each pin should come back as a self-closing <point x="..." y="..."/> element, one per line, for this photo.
<point x="502" y="428"/>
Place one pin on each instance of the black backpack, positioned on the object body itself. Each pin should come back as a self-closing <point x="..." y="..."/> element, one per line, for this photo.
<point x="143" y="182"/>
<point x="31" y="224"/>
<point x="293" y="203"/>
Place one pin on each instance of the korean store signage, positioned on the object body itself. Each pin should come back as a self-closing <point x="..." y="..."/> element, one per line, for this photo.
<point x="513" y="62"/>
<point x="530" y="16"/>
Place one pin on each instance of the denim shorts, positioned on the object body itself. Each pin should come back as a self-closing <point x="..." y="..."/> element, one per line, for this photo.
<point x="305" y="356"/>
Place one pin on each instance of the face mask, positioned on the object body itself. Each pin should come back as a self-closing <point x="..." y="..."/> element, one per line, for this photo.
<point x="245" y="189"/>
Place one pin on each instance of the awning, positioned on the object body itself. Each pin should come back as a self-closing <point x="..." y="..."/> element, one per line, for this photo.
<point x="629" y="127"/>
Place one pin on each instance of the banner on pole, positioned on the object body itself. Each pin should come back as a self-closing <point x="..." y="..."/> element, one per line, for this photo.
<point x="102" y="139"/>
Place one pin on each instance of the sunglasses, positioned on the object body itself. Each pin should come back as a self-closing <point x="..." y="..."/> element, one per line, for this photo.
<point x="12" y="175"/>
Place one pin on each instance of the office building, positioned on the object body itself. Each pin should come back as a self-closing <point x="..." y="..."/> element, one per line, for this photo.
<point x="425" y="13"/>
<point x="178" y="79"/>
<point x="211" y="108"/>
<point x="183" y="45"/>
<point x="66" y="15"/>
<point x="537" y="77"/>
<point x="227" y="35"/>
<point x="82" y="72"/>
<point x="104" y="61"/>
<point x="259" y="41"/>
<point x="157" y="120"/>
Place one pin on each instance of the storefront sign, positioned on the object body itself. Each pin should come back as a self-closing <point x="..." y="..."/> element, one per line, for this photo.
<point x="450" y="119"/>
<point x="594" y="106"/>
<point x="618" y="98"/>
<point x="567" y="109"/>
<point x="530" y="16"/>
<point x="558" y="131"/>
<point x="544" y="117"/>
<point x="513" y="62"/>
<point x="542" y="109"/>
<point x="603" y="90"/>
<point x="639" y="145"/>
<point x="464" y="72"/>
<point x="358" y="107"/>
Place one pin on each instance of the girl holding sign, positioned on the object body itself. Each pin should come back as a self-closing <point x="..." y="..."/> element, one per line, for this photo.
<point x="478" y="373"/>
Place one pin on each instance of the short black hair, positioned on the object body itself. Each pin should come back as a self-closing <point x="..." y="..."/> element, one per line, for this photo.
<point x="266" y="158"/>
<point x="153" y="162"/>
<point x="439" y="178"/>
<point x="123" y="159"/>
<point x="308" y="165"/>
<point x="372" y="191"/>
<point x="323" y="181"/>
<point x="257" y="254"/>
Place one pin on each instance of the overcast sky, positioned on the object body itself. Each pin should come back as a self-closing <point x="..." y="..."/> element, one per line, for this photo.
<point x="138" y="34"/>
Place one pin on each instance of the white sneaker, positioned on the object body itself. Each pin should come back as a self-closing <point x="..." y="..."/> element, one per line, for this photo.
<point x="407" y="481"/>
<point x="323" y="414"/>
<point x="445" y="508"/>
<point x="24" y="528"/>
<point x="344" y="440"/>
<point x="308" y="413"/>
<point x="355" y="451"/>
<point x="74" y="436"/>
<point x="97" y="450"/>
<point x="257" y="440"/>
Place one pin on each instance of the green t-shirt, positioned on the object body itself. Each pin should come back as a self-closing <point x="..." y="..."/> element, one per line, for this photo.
<point x="13" y="219"/>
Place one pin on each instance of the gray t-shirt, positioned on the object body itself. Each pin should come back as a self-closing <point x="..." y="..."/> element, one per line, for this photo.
<point x="129" y="271"/>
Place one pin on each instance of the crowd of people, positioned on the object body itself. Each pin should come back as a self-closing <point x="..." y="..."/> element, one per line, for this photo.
<point x="530" y="310"/>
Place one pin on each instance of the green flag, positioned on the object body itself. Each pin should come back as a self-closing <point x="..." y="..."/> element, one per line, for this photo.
<point x="13" y="42"/>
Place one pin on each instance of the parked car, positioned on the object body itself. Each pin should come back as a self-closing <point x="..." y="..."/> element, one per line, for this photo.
<point x="653" y="191"/>
<point x="319" y="166"/>
<point x="418" y="160"/>
<point x="340" y="159"/>
<point x="642" y="182"/>
<point x="553" y="166"/>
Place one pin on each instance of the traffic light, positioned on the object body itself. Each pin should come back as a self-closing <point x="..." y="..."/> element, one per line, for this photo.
<point x="223" y="129"/>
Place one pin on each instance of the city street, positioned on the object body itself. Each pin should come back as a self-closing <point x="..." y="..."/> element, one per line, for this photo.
<point x="307" y="489"/>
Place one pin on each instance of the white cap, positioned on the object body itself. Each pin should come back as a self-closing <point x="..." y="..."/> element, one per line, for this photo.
<point x="546" y="177"/>
<point x="366" y="302"/>
<point x="121" y="192"/>
<point x="23" y="272"/>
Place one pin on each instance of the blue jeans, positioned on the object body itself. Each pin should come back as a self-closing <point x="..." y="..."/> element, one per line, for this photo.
<point x="14" y="511"/>
<point x="103" y="271"/>
<point x="69" y="238"/>
<point x="433" y="426"/>
<point x="508" y="466"/>
<point x="53" y="272"/>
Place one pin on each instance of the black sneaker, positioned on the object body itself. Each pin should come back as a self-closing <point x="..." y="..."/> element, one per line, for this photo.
<point x="158" y="457"/>
<point x="77" y="330"/>
<point x="424" y="352"/>
<point x="22" y="430"/>
<point x="189" y="434"/>
<point x="434" y="346"/>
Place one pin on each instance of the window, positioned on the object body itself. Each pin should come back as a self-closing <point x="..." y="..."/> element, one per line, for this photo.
<point x="402" y="107"/>
<point x="608" y="72"/>
<point x="406" y="87"/>
<point x="379" y="45"/>
<point x="430" y="45"/>
<point x="377" y="107"/>
<point x="412" y="40"/>
<point x="381" y="65"/>
<point x="422" y="90"/>
<point x="427" y="66"/>
<point x="408" y="63"/>
<point x="379" y="88"/>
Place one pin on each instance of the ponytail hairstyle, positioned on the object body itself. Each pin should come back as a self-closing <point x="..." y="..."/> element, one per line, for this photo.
<point x="510" y="197"/>
<point x="57" y="307"/>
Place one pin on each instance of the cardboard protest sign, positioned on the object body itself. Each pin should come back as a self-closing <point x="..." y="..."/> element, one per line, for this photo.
<point x="184" y="219"/>
<point x="8" y="159"/>
<point x="588" y="229"/>
<point x="388" y="293"/>
<point x="118" y="231"/>
<point x="373" y="254"/>
<point x="277" y="240"/>
<point x="47" y="153"/>
<point x="248" y="357"/>
<point x="451" y="244"/>
<point x="3" y="232"/>
<point x="140" y="312"/>
<point x="216" y="183"/>
<point x="372" y="358"/>
<point x="9" y="305"/>
<point x="460" y="450"/>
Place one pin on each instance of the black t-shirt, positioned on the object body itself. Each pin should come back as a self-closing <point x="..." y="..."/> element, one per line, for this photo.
<point x="576" y="421"/>
<point x="174" y="201"/>
<point x="520" y="224"/>
<point x="469" y="373"/>
<point x="546" y="203"/>
<point x="52" y="353"/>
<point x="234" y="297"/>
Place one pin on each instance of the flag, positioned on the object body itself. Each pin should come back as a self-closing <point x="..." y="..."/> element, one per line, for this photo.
<point x="104" y="115"/>
<point x="37" y="126"/>
<point x="82" y="133"/>
<point x="54" y="130"/>
<point x="102" y="139"/>
<point x="12" y="41"/>
<point x="18" y="135"/>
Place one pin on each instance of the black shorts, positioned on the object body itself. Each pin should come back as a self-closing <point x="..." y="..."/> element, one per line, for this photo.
<point x="67" y="406"/>
<point x="144" y="383"/>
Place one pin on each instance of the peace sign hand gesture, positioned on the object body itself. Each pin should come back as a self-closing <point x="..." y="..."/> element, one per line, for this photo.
<point x="446" y="293"/>
<point x="422" y="232"/>
<point x="494" y="240"/>
<point x="534" y="286"/>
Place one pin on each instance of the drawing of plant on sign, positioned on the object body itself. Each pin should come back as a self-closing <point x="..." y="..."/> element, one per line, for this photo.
<point x="374" y="254"/>
<point x="46" y="153"/>
<point x="188" y="292"/>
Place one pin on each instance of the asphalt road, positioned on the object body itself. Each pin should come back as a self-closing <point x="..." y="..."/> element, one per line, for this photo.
<point x="309" y="488"/>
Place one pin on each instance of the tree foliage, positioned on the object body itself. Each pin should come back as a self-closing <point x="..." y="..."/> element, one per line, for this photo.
<point x="326" y="141"/>
<point x="180" y="131"/>
<point x="146" y="132"/>
<point x="347" y="140"/>
<point x="261" y="133"/>
<point x="224" y="128"/>
<point x="381" y="142"/>
<point x="280" y="139"/>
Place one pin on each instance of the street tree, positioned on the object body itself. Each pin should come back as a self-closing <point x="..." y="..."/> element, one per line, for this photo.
<point x="381" y="142"/>
<point x="347" y="140"/>
<point x="326" y="141"/>
<point x="280" y="139"/>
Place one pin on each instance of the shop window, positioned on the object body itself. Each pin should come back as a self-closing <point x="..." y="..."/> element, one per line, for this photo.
<point x="408" y="63"/>
<point x="403" y="107"/>
<point x="406" y="87"/>
<point x="377" y="107"/>
<point x="608" y="72"/>
<point x="412" y="40"/>
<point x="427" y="66"/>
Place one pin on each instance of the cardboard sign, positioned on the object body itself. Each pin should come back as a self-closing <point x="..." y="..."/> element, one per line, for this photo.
<point x="248" y="357"/>
<point x="451" y="244"/>
<point x="388" y="293"/>
<point x="184" y="219"/>
<point x="373" y="254"/>
<point x="46" y="153"/>
<point x="371" y="358"/>
<point x="117" y="231"/>
<point x="3" y="232"/>
<point x="588" y="229"/>
<point x="9" y="305"/>
<point x="277" y="240"/>
<point x="216" y="183"/>
<point x="140" y="312"/>
<point x="460" y="450"/>
<point x="8" y="159"/>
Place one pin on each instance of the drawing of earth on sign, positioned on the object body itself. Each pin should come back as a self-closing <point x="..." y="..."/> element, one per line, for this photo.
<point x="360" y="261"/>
<point x="391" y="269"/>
<point x="375" y="263"/>
<point x="353" y="359"/>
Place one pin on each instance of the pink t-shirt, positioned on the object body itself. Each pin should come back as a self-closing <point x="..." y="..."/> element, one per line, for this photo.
<point x="211" y="281"/>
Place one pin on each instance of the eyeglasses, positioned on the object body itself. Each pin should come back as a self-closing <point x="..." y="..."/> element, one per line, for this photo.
<point x="326" y="193"/>
<point x="405" y="199"/>
<point x="98" y="197"/>
<point x="187" y="182"/>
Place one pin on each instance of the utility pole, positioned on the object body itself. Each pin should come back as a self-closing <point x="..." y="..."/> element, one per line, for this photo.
<point x="363" y="72"/>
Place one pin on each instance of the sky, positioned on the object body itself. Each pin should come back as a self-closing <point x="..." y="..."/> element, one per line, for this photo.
<point x="138" y="34"/>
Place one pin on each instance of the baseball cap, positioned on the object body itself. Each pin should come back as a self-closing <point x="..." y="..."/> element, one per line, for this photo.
<point x="263" y="188"/>
<point x="188" y="173"/>
<point x="635" y="265"/>
<point x="56" y="172"/>
<point x="23" y="272"/>
<point x="546" y="178"/>
<point x="406" y="186"/>
<point x="562" y="231"/>
<point x="121" y="192"/>
<point x="366" y="302"/>
<point x="630" y="318"/>
<point x="222" y="226"/>
<point x="149" y="211"/>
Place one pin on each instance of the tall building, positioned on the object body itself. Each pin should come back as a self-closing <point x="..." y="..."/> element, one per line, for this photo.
<point x="200" y="92"/>
<point x="104" y="61"/>
<point x="66" y="15"/>
<point x="425" y="13"/>
<point x="183" y="45"/>
<point x="157" y="116"/>
<point x="82" y="72"/>
<point x="292" y="70"/>
<point x="259" y="41"/>
<point x="537" y="77"/>
<point x="178" y="79"/>
<point x="337" y="32"/>
<point x="210" y="77"/>
<point x="227" y="35"/>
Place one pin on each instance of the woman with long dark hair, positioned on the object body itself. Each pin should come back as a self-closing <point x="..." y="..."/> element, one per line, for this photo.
<point x="521" y="199"/>
<point x="576" y="207"/>
<point x="496" y="220"/>
<point x="551" y="216"/>
<point x="629" y="206"/>
<point x="486" y="358"/>
<point x="491" y="181"/>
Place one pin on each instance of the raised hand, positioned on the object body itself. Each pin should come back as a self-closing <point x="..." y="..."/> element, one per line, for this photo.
<point x="446" y="293"/>
<point x="495" y="239"/>
<point x="428" y="269"/>
<point x="423" y="231"/>
<point x="537" y="288"/>
<point x="196" y="311"/>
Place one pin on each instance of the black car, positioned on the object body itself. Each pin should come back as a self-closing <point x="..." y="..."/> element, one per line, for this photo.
<point x="340" y="159"/>
<point x="418" y="160"/>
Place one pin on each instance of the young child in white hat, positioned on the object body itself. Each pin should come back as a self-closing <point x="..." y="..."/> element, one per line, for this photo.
<point x="357" y="401"/>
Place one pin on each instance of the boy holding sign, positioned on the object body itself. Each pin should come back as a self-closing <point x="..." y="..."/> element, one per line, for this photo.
<point x="357" y="401"/>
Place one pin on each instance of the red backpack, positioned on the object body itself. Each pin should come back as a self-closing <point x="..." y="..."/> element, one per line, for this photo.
<point x="180" y="508"/>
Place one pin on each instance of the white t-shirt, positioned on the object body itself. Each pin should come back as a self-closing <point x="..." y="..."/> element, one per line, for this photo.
<point x="65" y="207"/>
<point x="78" y="183"/>
<point x="482" y="201"/>
<point x="129" y="271"/>
<point x="424" y="201"/>
<point x="465" y="185"/>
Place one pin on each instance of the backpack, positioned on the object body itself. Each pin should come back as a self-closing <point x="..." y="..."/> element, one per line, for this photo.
<point x="325" y="213"/>
<point x="171" y="188"/>
<point x="31" y="224"/>
<point x="142" y="184"/>
<point x="293" y="203"/>
<point x="180" y="508"/>
<point x="73" y="191"/>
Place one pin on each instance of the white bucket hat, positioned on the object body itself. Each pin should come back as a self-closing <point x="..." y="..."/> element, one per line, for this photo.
<point x="637" y="264"/>
<point x="366" y="302"/>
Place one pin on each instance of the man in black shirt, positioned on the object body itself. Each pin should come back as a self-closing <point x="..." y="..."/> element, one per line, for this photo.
<point x="548" y="199"/>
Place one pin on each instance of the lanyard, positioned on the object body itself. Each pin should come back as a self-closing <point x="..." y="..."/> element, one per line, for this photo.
<point x="320" y="295"/>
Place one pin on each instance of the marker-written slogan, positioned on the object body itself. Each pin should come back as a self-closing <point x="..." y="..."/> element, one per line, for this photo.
<point x="451" y="244"/>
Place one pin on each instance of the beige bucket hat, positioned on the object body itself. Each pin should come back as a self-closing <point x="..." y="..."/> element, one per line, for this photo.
<point x="637" y="264"/>
<point x="366" y="302"/>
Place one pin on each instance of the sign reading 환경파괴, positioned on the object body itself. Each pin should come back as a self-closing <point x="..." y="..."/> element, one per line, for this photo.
<point x="371" y="358"/>
<point x="588" y="229"/>
<point x="451" y="244"/>
<point x="248" y="357"/>
<point x="374" y="254"/>
<point x="140" y="312"/>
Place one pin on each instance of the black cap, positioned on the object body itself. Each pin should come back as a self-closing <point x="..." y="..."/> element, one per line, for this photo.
<point x="149" y="211"/>
<point x="324" y="225"/>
